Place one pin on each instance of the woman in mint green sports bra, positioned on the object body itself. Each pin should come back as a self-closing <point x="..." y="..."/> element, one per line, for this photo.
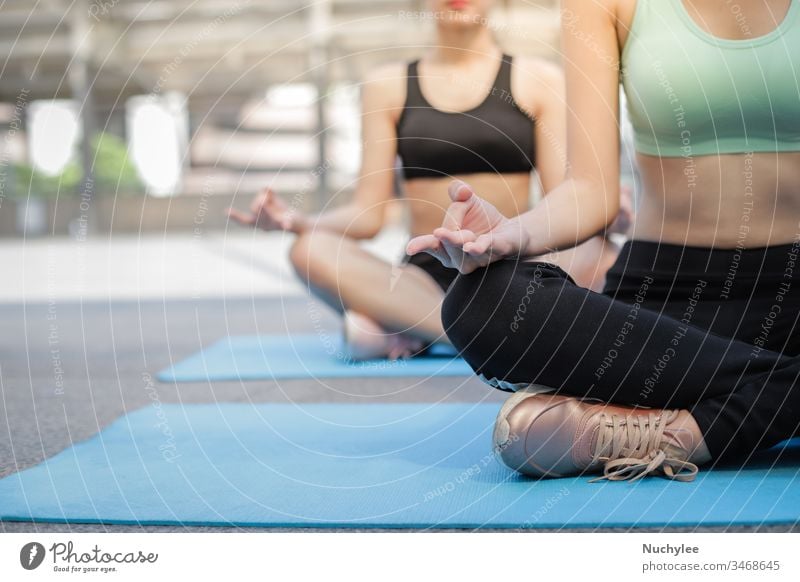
<point x="689" y="356"/>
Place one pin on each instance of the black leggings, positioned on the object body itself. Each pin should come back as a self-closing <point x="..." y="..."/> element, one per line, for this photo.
<point x="709" y="330"/>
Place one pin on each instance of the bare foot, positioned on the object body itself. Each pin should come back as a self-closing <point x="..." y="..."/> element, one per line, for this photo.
<point x="366" y="340"/>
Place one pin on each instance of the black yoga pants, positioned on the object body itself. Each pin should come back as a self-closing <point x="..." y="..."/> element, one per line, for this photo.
<point x="713" y="331"/>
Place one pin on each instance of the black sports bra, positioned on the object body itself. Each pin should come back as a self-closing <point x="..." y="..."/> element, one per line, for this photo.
<point x="496" y="136"/>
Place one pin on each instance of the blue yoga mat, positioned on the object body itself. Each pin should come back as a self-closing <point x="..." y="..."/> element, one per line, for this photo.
<point x="301" y="356"/>
<point x="367" y="465"/>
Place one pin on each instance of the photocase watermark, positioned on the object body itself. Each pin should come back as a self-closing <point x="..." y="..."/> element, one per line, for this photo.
<point x="489" y="90"/>
<point x="200" y="36"/>
<point x="299" y="198"/>
<point x="625" y="329"/>
<point x="545" y="507"/>
<point x="53" y="335"/>
<point x="671" y="351"/>
<point x="101" y="8"/>
<point x="570" y="25"/>
<point x="67" y="559"/>
<point x="450" y="486"/>
<point x="492" y="24"/>
<point x="469" y="472"/>
<point x="776" y="309"/>
<point x="741" y="20"/>
<point x="744" y="227"/>
<point x="336" y="346"/>
<point x="168" y="449"/>
<point x="198" y="260"/>
<point x="522" y="308"/>
<point x="14" y="126"/>
<point x="202" y="208"/>
<point x="556" y="145"/>
<point x="684" y="133"/>
<point x="80" y="226"/>
<point x="32" y="555"/>
<point x="329" y="344"/>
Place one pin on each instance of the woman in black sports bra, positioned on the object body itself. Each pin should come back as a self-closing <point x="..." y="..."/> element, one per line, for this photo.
<point x="464" y="110"/>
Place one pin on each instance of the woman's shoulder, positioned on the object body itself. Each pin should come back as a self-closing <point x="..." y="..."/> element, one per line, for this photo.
<point x="387" y="73"/>
<point x="386" y="84"/>
<point x="609" y="7"/>
<point x="535" y="82"/>
<point x="539" y="68"/>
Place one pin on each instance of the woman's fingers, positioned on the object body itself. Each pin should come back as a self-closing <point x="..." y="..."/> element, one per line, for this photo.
<point x="241" y="217"/>
<point x="427" y="243"/>
<point x="447" y="250"/>
<point x="264" y="213"/>
<point x="422" y="243"/>
<point x="455" y="215"/>
<point x="262" y="219"/>
<point x="479" y="246"/>
<point x="455" y="237"/>
<point x="259" y="202"/>
<point x="461" y="248"/>
<point x="455" y="255"/>
<point x="459" y="191"/>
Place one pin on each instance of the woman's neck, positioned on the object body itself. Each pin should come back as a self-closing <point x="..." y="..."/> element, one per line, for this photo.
<point x="456" y="45"/>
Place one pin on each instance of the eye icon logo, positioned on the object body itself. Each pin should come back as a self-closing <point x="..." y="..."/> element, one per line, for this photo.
<point x="31" y="555"/>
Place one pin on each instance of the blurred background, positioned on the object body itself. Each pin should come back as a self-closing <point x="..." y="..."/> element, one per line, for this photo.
<point x="142" y="115"/>
<point x="127" y="127"/>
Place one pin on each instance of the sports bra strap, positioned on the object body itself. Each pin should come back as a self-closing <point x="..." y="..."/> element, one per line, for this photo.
<point x="503" y="80"/>
<point x="414" y="97"/>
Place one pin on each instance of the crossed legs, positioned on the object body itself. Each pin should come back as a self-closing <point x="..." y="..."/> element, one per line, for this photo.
<point x="395" y="310"/>
<point x="390" y="310"/>
<point x="526" y="323"/>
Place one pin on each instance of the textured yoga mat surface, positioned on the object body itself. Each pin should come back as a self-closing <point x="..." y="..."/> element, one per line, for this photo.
<point x="368" y="465"/>
<point x="301" y="356"/>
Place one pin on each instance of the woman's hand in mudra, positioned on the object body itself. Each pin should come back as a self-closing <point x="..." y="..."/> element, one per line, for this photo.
<point x="474" y="233"/>
<point x="270" y="212"/>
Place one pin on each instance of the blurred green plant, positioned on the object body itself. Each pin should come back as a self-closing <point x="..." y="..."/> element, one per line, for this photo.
<point x="30" y="182"/>
<point x="114" y="173"/>
<point x="113" y="170"/>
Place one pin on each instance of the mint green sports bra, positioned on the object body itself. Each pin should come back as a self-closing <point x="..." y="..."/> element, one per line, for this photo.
<point x="691" y="93"/>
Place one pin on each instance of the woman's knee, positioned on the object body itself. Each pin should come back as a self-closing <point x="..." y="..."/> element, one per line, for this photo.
<point x="310" y="255"/>
<point x="470" y="300"/>
<point x="502" y="308"/>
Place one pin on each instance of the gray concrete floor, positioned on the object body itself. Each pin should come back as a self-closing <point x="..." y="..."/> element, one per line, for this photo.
<point x="69" y="369"/>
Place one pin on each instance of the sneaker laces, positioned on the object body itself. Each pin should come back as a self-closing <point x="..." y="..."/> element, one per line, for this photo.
<point x="631" y="447"/>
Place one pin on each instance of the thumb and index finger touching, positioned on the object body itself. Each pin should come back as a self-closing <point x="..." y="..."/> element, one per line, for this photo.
<point x="257" y="206"/>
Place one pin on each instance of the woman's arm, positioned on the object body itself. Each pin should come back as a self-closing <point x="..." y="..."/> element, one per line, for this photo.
<point x="363" y="216"/>
<point x="588" y="199"/>
<point x="542" y="92"/>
